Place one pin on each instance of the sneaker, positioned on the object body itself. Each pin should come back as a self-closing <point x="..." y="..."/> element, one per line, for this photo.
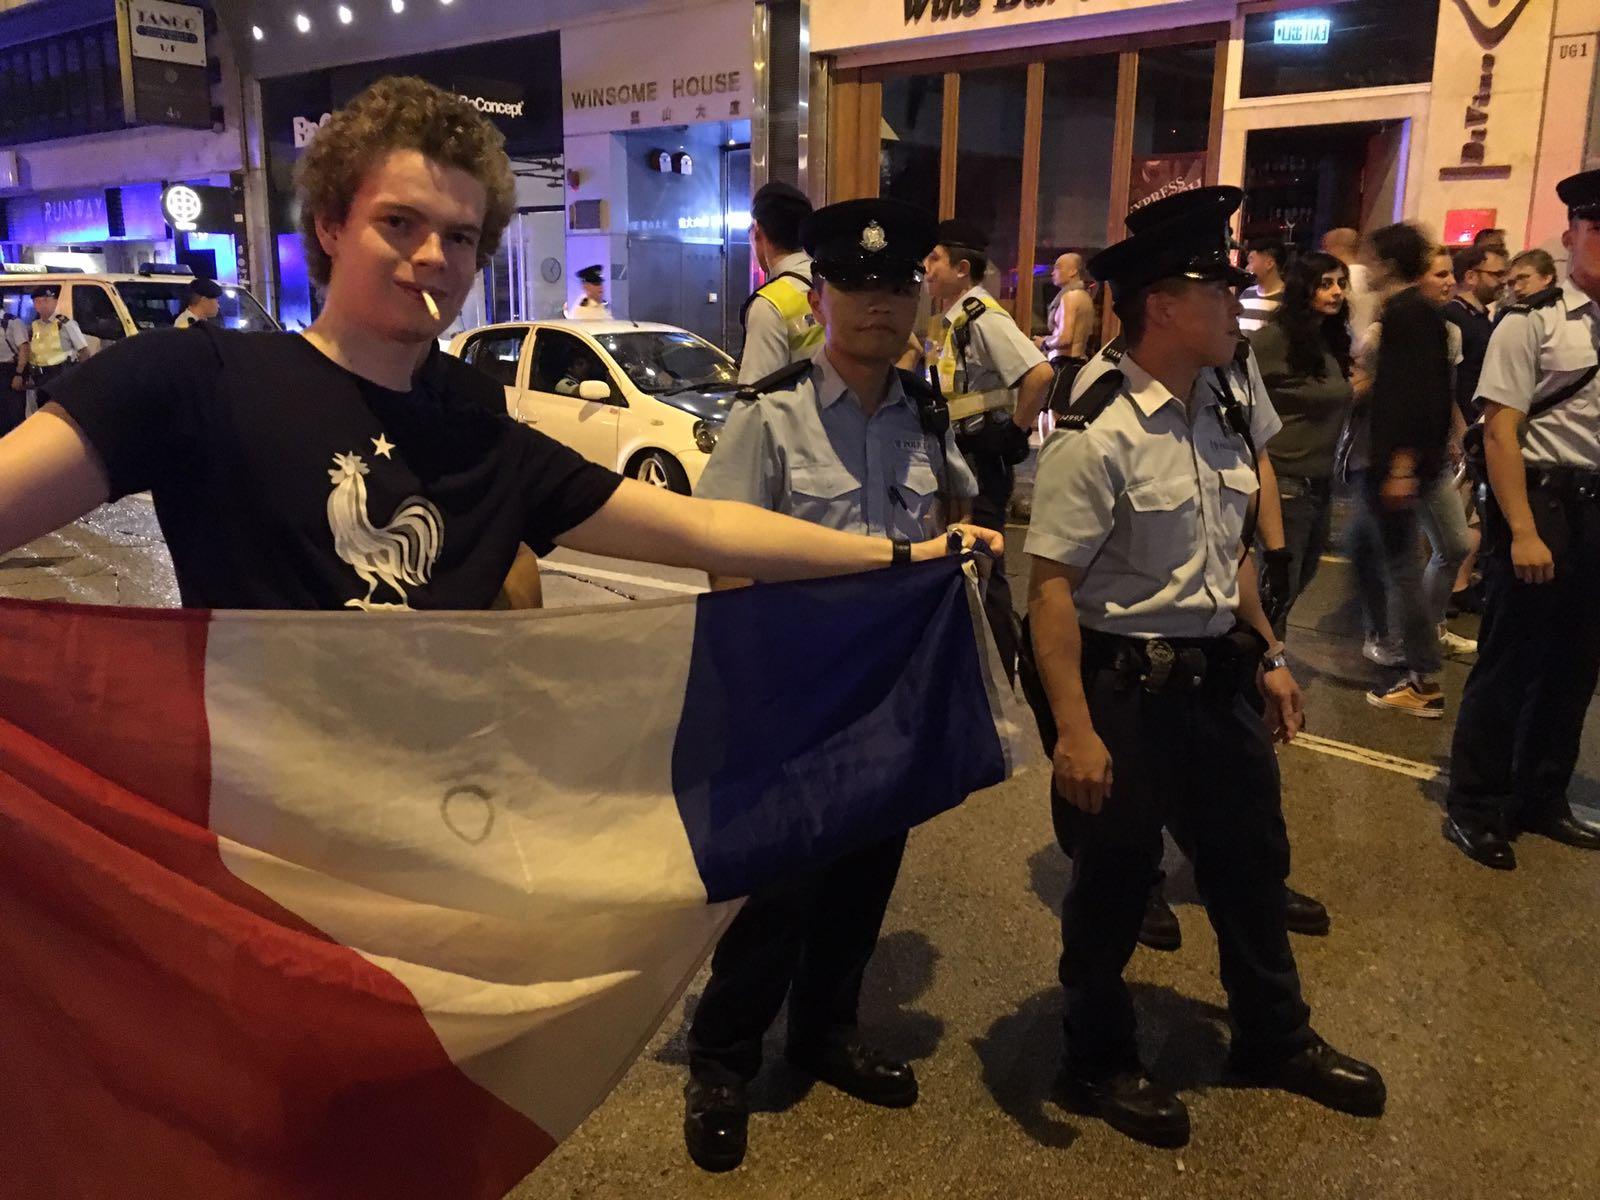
<point x="1406" y="697"/>
<point x="1384" y="653"/>
<point x="1454" y="643"/>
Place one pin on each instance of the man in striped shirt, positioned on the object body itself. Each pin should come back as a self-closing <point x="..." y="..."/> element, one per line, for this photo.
<point x="1261" y="299"/>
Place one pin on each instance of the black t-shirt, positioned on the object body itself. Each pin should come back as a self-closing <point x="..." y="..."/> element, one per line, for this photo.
<point x="1475" y="327"/>
<point x="281" y="480"/>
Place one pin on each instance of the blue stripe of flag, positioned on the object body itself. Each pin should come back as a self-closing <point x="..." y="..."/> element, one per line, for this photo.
<point x="824" y="716"/>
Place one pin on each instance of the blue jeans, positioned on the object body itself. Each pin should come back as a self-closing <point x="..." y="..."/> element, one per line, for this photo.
<point x="1400" y="597"/>
<point x="1307" y="511"/>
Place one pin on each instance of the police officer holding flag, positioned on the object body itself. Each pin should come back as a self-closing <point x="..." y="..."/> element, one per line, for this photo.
<point x="996" y="383"/>
<point x="1149" y="633"/>
<point x="1522" y="713"/>
<point x="779" y="327"/>
<point x="844" y="440"/>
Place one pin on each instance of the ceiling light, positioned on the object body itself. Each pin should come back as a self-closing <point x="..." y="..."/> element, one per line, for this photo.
<point x="257" y="32"/>
<point x="398" y="6"/>
<point x="345" y="15"/>
<point x="302" y="22"/>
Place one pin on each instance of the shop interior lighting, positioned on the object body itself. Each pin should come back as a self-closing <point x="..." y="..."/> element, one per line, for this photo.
<point x="302" y="22"/>
<point x="257" y="32"/>
<point x="345" y="15"/>
<point x="398" y="6"/>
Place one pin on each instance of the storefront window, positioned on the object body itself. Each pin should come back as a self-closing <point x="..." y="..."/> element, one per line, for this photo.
<point x="1354" y="44"/>
<point x="989" y="163"/>
<point x="1079" y="129"/>
<point x="909" y="140"/>
<point x="1171" y="121"/>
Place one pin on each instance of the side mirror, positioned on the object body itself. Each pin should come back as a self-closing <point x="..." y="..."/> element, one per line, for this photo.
<point x="596" y="391"/>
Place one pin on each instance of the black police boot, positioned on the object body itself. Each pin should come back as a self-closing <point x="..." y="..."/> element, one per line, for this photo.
<point x="715" y="1119"/>
<point x="1159" y="930"/>
<point x="1131" y="1103"/>
<point x="1320" y="1073"/>
<point x="1306" y="915"/>
<point x="1480" y="843"/>
<point x="858" y="1070"/>
<point x="1565" y="828"/>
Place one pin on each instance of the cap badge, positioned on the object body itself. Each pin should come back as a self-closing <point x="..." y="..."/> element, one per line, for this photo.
<point x="873" y="239"/>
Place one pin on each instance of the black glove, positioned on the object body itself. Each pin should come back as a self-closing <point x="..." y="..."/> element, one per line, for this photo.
<point x="1014" y="443"/>
<point x="1274" y="584"/>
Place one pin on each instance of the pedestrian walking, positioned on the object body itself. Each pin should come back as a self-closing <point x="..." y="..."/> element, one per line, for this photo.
<point x="779" y="327"/>
<point x="1148" y="631"/>
<point x="1522" y="712"/>
<point x="1265" y="259"/>
<point x="845" y="441"/>
<point x="1074" y="325"/>
<point x="1304" y="356"/>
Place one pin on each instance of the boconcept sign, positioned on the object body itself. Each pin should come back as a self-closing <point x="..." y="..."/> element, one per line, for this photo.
<point x="304" y="129"/>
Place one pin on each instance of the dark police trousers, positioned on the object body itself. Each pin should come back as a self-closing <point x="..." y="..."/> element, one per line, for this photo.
<point x="13" y="403"/>
<point x="996" y="478"/>
<point x="1517" y="735"/>
<point x="810" y="940"/>
<point x="1202" y="763"/>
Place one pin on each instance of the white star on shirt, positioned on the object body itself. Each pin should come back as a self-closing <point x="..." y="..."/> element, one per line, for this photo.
<point x="382" y="445"/>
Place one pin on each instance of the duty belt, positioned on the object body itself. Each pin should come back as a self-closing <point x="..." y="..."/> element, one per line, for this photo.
<point x="1161" y="665"/>
<point x="972" y="404"/>
<point x="1576" y="482"/>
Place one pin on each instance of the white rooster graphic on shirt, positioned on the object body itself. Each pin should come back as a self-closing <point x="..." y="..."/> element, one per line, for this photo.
<point x="400" y="553"/>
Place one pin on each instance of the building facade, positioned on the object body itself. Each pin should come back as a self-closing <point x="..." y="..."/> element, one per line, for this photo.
<point x="1047" y="121"/>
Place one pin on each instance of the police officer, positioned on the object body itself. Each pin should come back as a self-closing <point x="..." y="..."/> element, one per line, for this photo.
<point x="54" y="341"/>
<point x="1516" y="740"/>
<point x="1241" y="378"/>
<point x="779" y="327"/>
<point x="13" y="371"/>
<point x="996" y="383"/>
<point x="845" y="440"/>
<point x="593" y="305"/>
<point x="1149" y="632"/>
<point x="203" y="303"/>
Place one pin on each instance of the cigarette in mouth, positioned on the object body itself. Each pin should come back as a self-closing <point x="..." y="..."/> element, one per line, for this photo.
<point x="433" y="309"/>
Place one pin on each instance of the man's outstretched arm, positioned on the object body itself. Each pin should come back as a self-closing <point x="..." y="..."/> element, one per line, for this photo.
<point x="49" y="476"/>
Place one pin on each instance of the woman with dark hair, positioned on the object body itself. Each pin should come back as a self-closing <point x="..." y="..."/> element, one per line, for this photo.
<point x="1304" y="354"/>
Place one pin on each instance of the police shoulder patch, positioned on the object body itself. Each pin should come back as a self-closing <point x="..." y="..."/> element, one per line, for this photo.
<point x="1540" y="299"/>
<point x="780" y="380"/>
<point x="1096" y="398"/>
<point x="974" y="308"/>
<point x="1114" y="350"/>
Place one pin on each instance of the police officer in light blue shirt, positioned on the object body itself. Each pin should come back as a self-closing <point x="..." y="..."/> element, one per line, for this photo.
<point x="1522" y="712"/>
<point x="1149" y="637"/>
<point x="844" y="440"/>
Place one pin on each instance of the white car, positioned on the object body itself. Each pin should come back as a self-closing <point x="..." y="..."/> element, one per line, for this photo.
<point x="109" y="308"/>
<point x="646" y="400"/>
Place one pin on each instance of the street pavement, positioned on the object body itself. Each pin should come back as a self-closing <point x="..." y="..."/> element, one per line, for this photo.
<point x="1473" y="990"/>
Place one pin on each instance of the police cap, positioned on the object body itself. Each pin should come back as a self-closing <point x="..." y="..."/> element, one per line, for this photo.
<point x="1188" y="239"/>
<point x="594" y="274"/>
<point x="44" y="289"/>
<point x="1581" y="194"/>
<point x="956" y="232"/>
<point x="861" y="242"/>
<point x="777" y="201"/>
<point x="208" y="288"/>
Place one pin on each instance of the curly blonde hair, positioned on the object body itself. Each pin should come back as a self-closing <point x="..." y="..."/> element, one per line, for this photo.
<point x="399" y="113"/>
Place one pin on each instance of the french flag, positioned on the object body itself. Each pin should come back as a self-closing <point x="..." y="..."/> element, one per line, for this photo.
<point x="316" y="905"/>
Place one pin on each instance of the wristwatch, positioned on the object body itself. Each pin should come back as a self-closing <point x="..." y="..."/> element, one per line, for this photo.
<point x="1274" y="660"/>
<point x="902" y="551"/>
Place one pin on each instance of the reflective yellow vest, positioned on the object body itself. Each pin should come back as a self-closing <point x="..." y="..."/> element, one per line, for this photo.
<point x="952" y="363"/>
<point x="789" y="293"/>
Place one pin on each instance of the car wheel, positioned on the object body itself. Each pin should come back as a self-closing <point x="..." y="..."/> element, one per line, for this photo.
<point x="661" y="470"/>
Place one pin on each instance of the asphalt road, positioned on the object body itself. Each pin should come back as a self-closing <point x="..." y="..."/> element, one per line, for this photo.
<point x="1474" y="991"/>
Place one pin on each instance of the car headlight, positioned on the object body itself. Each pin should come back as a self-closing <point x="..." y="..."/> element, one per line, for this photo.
<point x="705" y="436"/>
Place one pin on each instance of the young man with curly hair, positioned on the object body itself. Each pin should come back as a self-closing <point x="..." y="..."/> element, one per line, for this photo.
<point x="355" y="465"/>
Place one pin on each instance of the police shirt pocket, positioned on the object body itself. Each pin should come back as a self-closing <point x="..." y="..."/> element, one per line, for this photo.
<point x="1566" y="356"/>
<point x="1162" y="524"/>
<point x="916" y="488"/>
<point x="1238" y="484"/>
<point x="824" y="493"/>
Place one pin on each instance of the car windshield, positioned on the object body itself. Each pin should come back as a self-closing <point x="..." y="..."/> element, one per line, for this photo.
<point x="154" y="304"/>
<point x="663" y="362"/>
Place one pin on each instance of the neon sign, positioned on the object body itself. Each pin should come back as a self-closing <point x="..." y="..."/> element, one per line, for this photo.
<point x="1301" y="31"/>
